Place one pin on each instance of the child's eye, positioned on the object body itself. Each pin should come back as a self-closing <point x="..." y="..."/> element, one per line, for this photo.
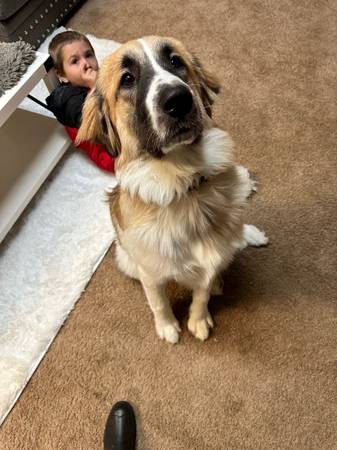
<point x="74" y="61"/>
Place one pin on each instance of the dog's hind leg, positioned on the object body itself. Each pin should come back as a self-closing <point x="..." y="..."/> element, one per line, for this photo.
<point x="217" y="286"/>
<point x="253" y="236"/>
<point x="167" y="326"/>
<point x="200" y="320"/>
<point x="248" y="185"/>
<point x="125" y="263"/>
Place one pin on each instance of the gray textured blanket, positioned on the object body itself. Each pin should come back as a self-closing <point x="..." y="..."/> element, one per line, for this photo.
<point x="15" y="57"/>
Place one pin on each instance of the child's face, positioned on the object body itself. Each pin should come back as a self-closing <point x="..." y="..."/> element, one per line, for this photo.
<point x="79" y="64"/>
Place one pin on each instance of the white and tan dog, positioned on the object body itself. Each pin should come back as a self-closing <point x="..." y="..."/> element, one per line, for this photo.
<point x="178" y="206"/>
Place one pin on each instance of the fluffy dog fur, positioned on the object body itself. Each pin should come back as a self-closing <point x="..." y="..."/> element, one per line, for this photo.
<point x="178" y="206"/>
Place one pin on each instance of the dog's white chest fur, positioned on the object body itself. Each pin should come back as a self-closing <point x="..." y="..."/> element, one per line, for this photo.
<point x="162" y="180"/>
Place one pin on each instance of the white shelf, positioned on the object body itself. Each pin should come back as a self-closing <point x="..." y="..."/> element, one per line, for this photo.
<point x="12" y="97"/>
<point x="31" y="145"/>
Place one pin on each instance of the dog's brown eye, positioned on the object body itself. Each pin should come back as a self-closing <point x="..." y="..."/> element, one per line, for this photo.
<point x="127" y="80"/>
<point x="176" y="61"/>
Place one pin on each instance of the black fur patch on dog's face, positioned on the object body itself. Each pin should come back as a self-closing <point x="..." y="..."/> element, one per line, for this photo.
<point x="142" y="120"/>
<point x="135" y="82"/>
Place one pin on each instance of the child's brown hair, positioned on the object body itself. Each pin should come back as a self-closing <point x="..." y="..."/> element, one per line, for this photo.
<point x="59" y="41"/>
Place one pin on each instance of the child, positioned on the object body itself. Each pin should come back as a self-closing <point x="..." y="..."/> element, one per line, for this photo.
<point x="76" y="66"/>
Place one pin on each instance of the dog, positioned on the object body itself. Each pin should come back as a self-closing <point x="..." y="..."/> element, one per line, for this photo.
<point x="179" y="201"/>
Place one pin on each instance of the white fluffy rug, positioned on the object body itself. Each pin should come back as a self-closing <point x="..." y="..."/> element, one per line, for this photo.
<point x="49" y="257"/>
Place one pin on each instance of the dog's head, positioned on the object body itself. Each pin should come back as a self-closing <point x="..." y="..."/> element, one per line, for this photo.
<point x="150" y="95"/>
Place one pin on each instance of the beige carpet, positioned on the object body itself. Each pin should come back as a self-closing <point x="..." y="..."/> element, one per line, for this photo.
<point x="266" y="378"/>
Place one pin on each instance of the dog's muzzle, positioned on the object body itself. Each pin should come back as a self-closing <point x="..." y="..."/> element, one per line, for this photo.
<point x="179" y="116"/>
<point x="173" y="116"/>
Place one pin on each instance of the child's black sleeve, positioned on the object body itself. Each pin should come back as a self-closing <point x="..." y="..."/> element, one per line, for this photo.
<point x="66" y="104"/>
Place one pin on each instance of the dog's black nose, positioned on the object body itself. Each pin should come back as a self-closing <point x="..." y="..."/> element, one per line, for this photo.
<point x="176" y="101"/>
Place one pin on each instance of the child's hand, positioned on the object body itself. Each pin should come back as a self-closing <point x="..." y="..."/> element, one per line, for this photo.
<point x="90" y="77"/>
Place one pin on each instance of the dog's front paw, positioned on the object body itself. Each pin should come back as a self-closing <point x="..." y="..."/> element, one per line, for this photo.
<point x="168" y="331"/>
<point x="200" y="327"/>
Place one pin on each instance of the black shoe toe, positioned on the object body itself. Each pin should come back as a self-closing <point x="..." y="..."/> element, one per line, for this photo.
<point x="120" y="429"/>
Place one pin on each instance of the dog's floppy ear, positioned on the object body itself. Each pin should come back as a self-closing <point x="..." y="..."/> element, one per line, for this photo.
<point x="209" y="85"/>
<point x="96" y="124"/>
